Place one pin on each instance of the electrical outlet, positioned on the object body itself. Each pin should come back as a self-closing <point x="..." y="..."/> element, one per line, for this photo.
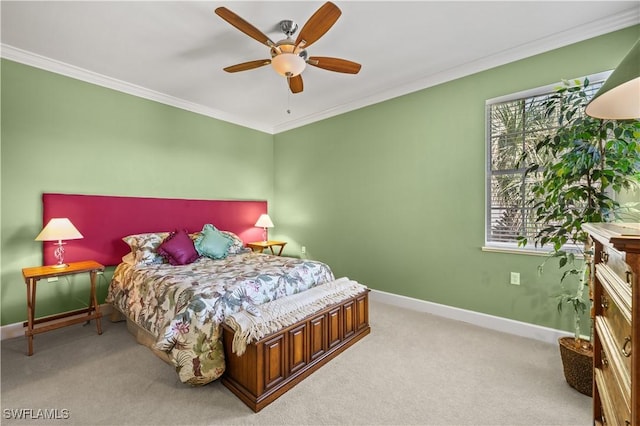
<point x="52" y="279"/>
<point x="303" y="250"/>
<point x="515" y="278"/>
<point x="99" y="272"/>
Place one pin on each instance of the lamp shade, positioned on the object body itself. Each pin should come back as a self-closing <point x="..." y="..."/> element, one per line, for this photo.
<point x="264" y="221"/>
<point x="59" y="229"/>
<point x="619" y="96"/>
<point x="288" y="64"/>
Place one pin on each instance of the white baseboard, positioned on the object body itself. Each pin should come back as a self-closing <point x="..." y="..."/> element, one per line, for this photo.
<point x="504" y="325"/>
<point x="10" y="331"/>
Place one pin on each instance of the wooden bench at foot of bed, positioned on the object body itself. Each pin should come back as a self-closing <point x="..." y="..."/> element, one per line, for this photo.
<point x="276" y="363"/>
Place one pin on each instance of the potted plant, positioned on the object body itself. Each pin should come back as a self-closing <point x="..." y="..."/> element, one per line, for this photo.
<point x="576" y="351"/>
<point x="579" y="168"/>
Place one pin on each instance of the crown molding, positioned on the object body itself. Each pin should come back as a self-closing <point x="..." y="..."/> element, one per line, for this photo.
<point x="558" y="40"/>
<point x="62" y="68"/>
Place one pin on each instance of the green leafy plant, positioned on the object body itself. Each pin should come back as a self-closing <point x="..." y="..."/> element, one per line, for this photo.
<point x="575" y="297"/>
<point x="577" y="170"/>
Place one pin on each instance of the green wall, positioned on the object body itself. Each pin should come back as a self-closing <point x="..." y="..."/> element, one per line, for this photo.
<point x="392" y="195"/>
<point x="64" y="135"/>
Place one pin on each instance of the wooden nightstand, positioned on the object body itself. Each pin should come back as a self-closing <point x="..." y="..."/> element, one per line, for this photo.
<point x="261" y="245"/>
<point x="31" y="277"/>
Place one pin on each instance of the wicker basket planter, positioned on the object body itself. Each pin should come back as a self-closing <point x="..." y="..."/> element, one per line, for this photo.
<point x="577" y="362"/>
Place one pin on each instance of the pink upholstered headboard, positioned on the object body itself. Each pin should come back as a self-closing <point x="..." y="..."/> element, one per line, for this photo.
<point x="104" y="220"/>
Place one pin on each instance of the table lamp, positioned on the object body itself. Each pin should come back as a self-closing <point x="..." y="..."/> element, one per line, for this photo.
<point x="59" y="229"/>
<point x="264" y="222"/>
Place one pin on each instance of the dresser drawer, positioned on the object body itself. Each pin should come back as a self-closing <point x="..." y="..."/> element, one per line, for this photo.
<point x="612" y="414"/>
<point x="618" y="319"/>
<point x="616" y="288"/>
<point x="614" y="364"/>
<point x="619" y="271"/>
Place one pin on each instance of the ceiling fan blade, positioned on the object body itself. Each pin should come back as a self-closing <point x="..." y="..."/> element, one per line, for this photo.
<point x="244" y="26"/>
<point x="295" y="83"/>
<point x="318" y="24"/>
<point x="248" y="65"/>
<point x="335" y="64"/>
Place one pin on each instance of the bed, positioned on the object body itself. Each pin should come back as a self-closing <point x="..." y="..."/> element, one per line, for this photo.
<point x="184" y="306"/>
<point x="179" y="304"/>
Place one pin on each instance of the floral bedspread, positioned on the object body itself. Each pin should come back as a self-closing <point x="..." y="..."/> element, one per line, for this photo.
<point x="184" y="305"/>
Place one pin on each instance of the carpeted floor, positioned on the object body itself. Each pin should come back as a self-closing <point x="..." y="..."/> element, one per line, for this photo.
<point x="413" y="368"/>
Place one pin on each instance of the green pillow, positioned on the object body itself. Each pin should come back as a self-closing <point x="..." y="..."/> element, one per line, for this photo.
<point x="213" y="243"/>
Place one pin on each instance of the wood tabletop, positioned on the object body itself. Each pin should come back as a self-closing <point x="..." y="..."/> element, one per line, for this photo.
<point x="52" y="271"/>
<point x="265" y="244"/>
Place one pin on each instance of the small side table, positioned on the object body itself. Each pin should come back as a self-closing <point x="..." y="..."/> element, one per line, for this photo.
<point x="261" y="245"/>
<point x="31" y="277"/>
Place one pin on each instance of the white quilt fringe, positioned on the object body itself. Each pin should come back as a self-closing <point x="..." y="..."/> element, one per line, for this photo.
<point x="280" y="313"/>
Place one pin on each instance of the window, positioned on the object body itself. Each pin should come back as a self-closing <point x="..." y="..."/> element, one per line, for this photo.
<point x="514" y="125"/>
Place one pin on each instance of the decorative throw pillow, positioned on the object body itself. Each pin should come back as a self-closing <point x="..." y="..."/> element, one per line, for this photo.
<point x="178" y="249"/>
<point x="213" y="243"/>
<point x="144" y="246"/>
<point x="237" y="246"/>
<point x="129" y="259"/>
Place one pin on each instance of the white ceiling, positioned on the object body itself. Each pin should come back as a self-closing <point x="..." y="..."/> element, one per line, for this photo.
<point x="174" y="52"/>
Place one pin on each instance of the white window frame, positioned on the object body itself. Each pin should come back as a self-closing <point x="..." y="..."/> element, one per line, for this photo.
<point x="512" y="247"/>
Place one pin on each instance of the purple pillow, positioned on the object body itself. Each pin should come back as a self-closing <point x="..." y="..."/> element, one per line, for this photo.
<point x="178" y="248"/>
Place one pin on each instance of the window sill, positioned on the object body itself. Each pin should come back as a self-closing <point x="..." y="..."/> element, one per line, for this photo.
<point x="526" y="252"/>
<point x="510" y="250"/>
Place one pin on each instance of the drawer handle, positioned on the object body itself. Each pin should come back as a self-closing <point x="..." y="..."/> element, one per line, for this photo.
<point x="629" y="275"/>
<point x="605" y="361"/>
<point x="604" y="302"/>
<point x="604" y="256"/>
<point x="627" y="342"/>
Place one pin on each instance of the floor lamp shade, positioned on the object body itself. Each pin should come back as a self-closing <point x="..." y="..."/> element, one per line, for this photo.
<point x="619" y="96"/>
<point x="59" y="229"/>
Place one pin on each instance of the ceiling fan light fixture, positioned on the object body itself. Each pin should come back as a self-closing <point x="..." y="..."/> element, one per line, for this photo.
<point x="288" y="64"/>
<point x="289" y="57"/>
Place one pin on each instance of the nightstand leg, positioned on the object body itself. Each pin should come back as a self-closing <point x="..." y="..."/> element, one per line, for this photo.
<point x="31" y="307"/>
<point x="93" y="304"/>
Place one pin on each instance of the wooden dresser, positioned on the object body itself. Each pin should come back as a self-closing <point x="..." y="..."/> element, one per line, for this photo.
<point x="616" y="301"/>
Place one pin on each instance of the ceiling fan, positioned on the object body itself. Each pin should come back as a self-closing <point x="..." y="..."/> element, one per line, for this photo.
<point x="288" y="57"/>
